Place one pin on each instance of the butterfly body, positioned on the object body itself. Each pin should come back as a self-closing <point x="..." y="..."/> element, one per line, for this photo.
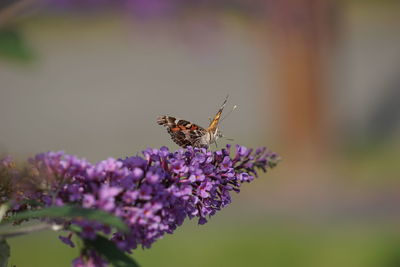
<point x="185" y="133"/>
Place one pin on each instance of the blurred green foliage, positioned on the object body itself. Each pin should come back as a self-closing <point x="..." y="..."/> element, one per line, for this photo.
<point x="71" y="212"/>
<point x="230" y="243"/>
<point x="111" y="252"/>
<point x="4" y="253"/>
<point x="13" y="45"/>
<point x="373" y="162"/>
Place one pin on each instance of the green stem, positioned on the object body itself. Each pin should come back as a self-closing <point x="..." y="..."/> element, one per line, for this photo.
<point x="25" y="230"/>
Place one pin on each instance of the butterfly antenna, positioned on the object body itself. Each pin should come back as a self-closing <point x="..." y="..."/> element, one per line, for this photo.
<point x="223" y="104"/>
<point x="234" y="107"/>
<point x="229" y="139"/>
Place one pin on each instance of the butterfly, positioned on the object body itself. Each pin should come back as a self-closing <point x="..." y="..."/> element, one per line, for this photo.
<point x="185" y="133"/>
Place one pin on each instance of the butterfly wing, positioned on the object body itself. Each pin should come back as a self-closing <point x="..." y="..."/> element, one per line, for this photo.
<point x="183" y="133"/>
<point x="214" y="123"/>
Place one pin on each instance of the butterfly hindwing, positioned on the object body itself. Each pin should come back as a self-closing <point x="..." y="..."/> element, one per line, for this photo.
<point x="183" y="133"/>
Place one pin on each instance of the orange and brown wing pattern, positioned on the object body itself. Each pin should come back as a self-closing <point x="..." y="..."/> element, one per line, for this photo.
<point x="183" y="133"/>
<point x="214" y="123"/>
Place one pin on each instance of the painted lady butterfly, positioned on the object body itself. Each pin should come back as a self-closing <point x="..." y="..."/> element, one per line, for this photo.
<point x="185" y="133"/>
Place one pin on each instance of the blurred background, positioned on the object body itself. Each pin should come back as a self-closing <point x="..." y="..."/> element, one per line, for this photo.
<point x="316" y="81"/>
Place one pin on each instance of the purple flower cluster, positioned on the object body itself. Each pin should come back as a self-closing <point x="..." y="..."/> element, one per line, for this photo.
<point x="152" y="194"/>
<point x="89" y="259"/>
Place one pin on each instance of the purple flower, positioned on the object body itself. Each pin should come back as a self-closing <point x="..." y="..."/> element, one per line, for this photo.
<point x="245" y="177"/>
<point x="88" y="201"/>
<point x="226" y="163"/>
<point x="67" y="240"/>
<point x="178" y="166"/>
<point x="107" y="197"/>
<point x="204" y="189"/>
<point x="89" y="258"/>
<point x="78" y="262"/>
<point x="154" y="175"/>
<point x="74" y="192"/>
<point x="196" y="175"/>
<point x="6" y="162"/>
<point x="130" y="196"/>
<point x="137" y="173"/>
<point x="152" y="194"/>
<point x="242" y="151"/>
<point x="89" y="229"/>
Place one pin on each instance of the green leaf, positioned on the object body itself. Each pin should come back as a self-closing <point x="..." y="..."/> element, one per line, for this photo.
<point x="13" y="45"/>
<point x="4" y="253"/>
<point x="111" y="252"/>
<point x="72" y="212"/>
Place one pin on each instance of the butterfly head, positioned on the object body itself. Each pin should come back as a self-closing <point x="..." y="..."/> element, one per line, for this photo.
<point x="215" y="135"/>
